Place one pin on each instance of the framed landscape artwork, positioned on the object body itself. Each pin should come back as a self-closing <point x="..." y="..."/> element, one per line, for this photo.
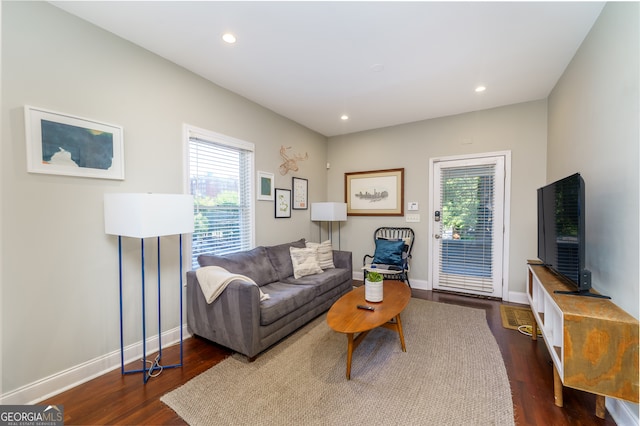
<point x="265" y="186"/>
<point x="283" y="203"/>
<point x="62" y="144"/>
<point x="375" y="193"/>
<point x="300" y="193"/>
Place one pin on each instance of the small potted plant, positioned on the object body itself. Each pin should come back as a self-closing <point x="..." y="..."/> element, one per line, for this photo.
<point x="373" y="284"/>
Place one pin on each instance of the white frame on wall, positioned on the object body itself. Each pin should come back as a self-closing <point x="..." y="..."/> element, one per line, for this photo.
<point x="265" y="186"/>
<point x="85" y="141"/>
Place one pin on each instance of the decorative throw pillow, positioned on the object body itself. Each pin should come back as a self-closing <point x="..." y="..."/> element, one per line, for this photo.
<point x="280" y="258"/>
<point x="305" y="262"/>
<point x="325" y="254"/>
<point x="388" y="252"/>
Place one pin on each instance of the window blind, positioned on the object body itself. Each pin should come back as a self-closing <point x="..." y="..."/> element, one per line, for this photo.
<point x="220" y="176"/>
<point x="466" y="255"/>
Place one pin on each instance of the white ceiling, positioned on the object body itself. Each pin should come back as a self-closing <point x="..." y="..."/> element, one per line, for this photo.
<point x="314" y="61"/>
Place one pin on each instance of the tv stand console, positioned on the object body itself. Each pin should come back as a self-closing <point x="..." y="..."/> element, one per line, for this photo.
<point x="593" y="343"/>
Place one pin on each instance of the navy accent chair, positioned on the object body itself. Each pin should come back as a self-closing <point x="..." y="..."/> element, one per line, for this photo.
<point x="391" y="258"/>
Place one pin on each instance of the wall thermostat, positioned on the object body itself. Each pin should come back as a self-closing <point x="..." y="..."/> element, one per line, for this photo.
<point x="412" y="205"/>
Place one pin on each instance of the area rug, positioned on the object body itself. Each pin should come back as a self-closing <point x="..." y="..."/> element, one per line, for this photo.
<point x="451" y="374"/>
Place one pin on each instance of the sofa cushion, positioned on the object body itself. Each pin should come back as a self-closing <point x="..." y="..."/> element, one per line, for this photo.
<point x="321" y="283"/>
<point x="252" y="263"/>
<point x="325" y="253"/>
<point x="305" y="261"/>
<point x="280" y="258"/>
<point x="284" y="299"/>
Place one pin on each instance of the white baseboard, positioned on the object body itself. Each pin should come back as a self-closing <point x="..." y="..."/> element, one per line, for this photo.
<point x="512" y="296"/>
<point x="76" y="375"/>
<point x="415" y="284"/>
<point x="624" y="413"/>
<point x="420" y="285"/>
<point x="518" y="297"/>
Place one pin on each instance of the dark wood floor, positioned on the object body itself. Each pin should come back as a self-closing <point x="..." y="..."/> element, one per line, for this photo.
<point x="116" y="399"/>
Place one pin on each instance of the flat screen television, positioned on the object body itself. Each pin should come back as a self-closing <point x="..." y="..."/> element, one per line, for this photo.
<point x="561" y="232"/>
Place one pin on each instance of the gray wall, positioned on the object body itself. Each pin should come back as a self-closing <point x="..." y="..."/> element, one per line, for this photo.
<point x="519" y="128"/>
<point x="593" y="128"/>
<point x="59" y="277"/>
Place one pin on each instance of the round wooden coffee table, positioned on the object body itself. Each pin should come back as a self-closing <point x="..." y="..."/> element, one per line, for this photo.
<point x="345" y="317"/>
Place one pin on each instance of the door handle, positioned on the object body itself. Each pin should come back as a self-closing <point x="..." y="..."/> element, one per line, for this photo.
<point x="438" y="236"/>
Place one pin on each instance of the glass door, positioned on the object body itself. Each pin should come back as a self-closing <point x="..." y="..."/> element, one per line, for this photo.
<point x="468" y="225"/>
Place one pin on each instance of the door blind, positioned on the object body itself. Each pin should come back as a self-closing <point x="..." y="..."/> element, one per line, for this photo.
<point x="466" y="254"/>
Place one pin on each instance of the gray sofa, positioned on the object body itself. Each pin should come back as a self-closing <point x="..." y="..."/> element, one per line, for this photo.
<point x="238" y="319"/>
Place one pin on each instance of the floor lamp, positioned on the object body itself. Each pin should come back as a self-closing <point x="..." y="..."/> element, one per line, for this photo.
<point x="329" y="212"/>
<point x="148" y="216"/>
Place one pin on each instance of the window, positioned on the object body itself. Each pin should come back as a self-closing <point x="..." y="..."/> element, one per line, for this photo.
<point x="220" y="180"/>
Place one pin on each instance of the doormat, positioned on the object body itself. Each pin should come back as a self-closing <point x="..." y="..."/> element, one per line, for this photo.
<point x="517" y="318"/>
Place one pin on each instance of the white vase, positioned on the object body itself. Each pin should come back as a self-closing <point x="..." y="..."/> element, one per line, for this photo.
<point x="373" y="291"/>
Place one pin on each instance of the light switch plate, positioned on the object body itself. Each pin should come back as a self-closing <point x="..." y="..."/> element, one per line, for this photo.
<point x="415" y="217"/>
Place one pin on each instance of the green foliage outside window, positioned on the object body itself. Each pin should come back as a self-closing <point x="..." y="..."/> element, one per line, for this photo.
<point x="467" y="207"/>
<point x="203" y="226"/>
<point x="460" y="204"/>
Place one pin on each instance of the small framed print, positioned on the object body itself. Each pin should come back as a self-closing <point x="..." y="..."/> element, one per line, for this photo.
<point x="283" y="203"/>
<point x="300" y="194"/>
<point x="265" y="186"/>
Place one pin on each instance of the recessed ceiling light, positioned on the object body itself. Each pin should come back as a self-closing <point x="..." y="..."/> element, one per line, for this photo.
<point x="480" y="89"/>
<point x="229" y="38"/>
<point x="344" y="117"/>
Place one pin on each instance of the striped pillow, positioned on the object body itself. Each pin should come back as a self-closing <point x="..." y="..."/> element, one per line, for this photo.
<point x="325" y="254"/>
<point x="305" y="262"/>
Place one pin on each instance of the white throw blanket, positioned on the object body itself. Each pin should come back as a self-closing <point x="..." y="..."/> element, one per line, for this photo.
<point x="214" y="279"/>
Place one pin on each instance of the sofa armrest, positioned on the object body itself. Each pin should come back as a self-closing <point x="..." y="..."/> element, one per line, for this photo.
<point x="342" y="259"/>
<point x="232" y="320"/>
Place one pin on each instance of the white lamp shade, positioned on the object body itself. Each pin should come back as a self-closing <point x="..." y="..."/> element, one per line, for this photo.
<point x="148" y="215"/>
<point x="329" y="212"/>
